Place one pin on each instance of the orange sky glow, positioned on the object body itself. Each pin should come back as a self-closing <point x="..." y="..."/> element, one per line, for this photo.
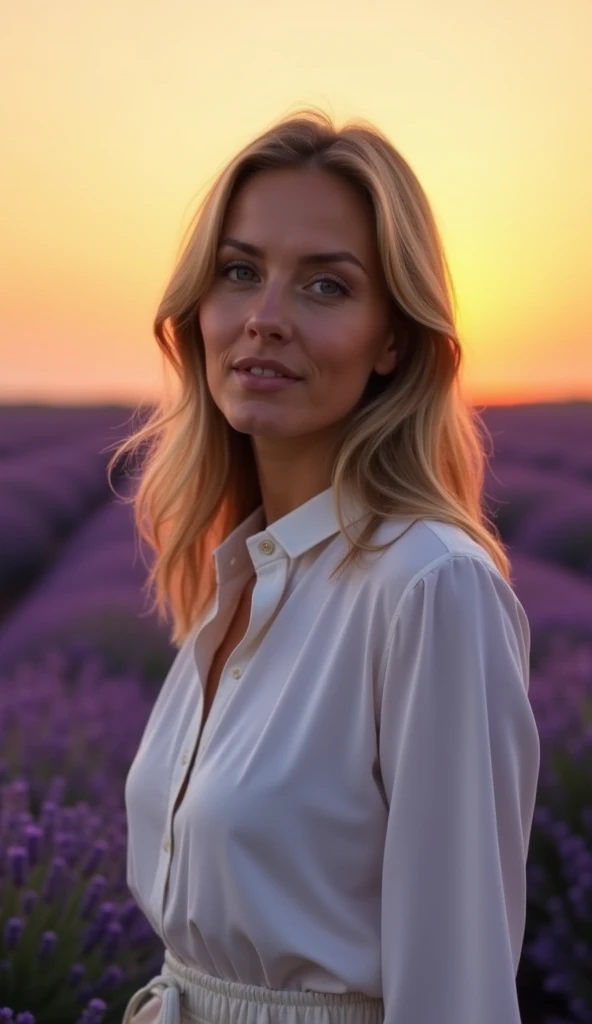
<point x="116" y="117"/>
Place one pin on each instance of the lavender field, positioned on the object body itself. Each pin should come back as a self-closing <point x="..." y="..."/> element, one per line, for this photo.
<point x="81" y="660"/>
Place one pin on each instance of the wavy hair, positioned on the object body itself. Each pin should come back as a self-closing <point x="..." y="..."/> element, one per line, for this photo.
<point x="414" y="446"/>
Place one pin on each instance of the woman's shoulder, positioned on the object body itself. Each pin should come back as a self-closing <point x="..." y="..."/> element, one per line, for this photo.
<point x="414" y="548"/>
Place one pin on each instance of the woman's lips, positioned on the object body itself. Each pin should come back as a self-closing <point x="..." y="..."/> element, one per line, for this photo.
<point x="255" y="382"/>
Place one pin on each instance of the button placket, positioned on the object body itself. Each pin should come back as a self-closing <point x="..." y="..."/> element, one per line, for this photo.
<point x="266" y="547"/>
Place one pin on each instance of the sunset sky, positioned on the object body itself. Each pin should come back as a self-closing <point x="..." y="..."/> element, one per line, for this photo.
<point x="117" y="115"/>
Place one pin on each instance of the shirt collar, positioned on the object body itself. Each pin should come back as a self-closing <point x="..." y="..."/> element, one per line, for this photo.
<point x="295" y="533"/>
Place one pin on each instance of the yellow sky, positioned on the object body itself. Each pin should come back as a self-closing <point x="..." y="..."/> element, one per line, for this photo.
<point x="117" y="114"/>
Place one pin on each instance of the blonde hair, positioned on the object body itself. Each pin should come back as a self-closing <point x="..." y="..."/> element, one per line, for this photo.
<point x="413" y="447"/>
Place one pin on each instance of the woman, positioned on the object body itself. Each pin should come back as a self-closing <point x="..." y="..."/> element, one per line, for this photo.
<point x="330" y="809"/>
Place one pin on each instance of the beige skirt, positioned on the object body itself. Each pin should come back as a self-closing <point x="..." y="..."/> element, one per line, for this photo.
<point x="184" y="995"/>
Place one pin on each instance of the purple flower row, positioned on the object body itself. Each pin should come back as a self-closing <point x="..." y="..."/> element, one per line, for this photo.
<point x="67" y="922"/>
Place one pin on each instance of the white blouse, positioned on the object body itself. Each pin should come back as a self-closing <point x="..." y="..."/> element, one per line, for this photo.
<point x="359" y="813"/>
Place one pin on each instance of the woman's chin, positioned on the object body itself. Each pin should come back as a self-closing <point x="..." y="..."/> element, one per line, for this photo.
<point x="264" y="431"/>
<point x="271" y="424"/>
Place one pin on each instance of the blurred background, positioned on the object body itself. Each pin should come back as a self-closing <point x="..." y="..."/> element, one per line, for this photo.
<point x="115" y="119"/>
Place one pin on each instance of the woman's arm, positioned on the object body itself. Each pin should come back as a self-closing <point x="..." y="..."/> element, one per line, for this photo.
<point x="460" y="756"/>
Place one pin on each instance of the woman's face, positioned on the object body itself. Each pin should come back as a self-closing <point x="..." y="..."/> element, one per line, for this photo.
<point x="326" y="320"/>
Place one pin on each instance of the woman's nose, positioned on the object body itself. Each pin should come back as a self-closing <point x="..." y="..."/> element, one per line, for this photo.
<point x="269" y="315"/>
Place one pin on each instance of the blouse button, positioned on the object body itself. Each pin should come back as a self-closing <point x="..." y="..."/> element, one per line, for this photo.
<point x="185" y="758"/>
<point x="237" y="672"/>
<point x="266" y="547"/>
<point x="166" y="845"/>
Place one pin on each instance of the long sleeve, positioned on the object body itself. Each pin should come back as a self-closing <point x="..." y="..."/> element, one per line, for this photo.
<point x="460" y="756"/>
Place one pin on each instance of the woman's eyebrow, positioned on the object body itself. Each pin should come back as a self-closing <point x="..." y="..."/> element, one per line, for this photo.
<point x="342" y="256"/>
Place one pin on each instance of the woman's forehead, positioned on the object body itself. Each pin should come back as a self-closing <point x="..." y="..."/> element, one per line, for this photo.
<point x="306" y="207"/>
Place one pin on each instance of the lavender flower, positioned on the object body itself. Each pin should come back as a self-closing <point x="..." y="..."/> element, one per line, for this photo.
<point x="34" y="835"/>
<point x="17" y="861"/>
<point x="92" y="895"/>
<point x="72" y="936"/>
<point x="99" y="849"/>
<point x="12" y="932"/>
<point x="93" y="1013"/>
<point x="28" y="901"/>
<point x="47" y="945"/>
<point x="76" y="974"/>
<point x="560" y="853"/>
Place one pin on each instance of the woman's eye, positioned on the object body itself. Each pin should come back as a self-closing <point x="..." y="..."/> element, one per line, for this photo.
<point x="336" y="286"/>
<point x="341" y="288"/>
<point x="235" y="266"/>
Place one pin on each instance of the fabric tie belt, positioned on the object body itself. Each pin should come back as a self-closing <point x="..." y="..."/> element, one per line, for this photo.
<point x="170" y="994"/>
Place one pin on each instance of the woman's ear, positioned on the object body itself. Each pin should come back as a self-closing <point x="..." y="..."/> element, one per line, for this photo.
<point x="388" y="357"/>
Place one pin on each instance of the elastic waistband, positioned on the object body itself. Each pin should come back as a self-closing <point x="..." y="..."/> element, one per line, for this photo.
<point x="188" y="995"/>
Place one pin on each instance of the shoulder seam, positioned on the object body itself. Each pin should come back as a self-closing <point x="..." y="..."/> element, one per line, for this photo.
<point x="419" y="577"/>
